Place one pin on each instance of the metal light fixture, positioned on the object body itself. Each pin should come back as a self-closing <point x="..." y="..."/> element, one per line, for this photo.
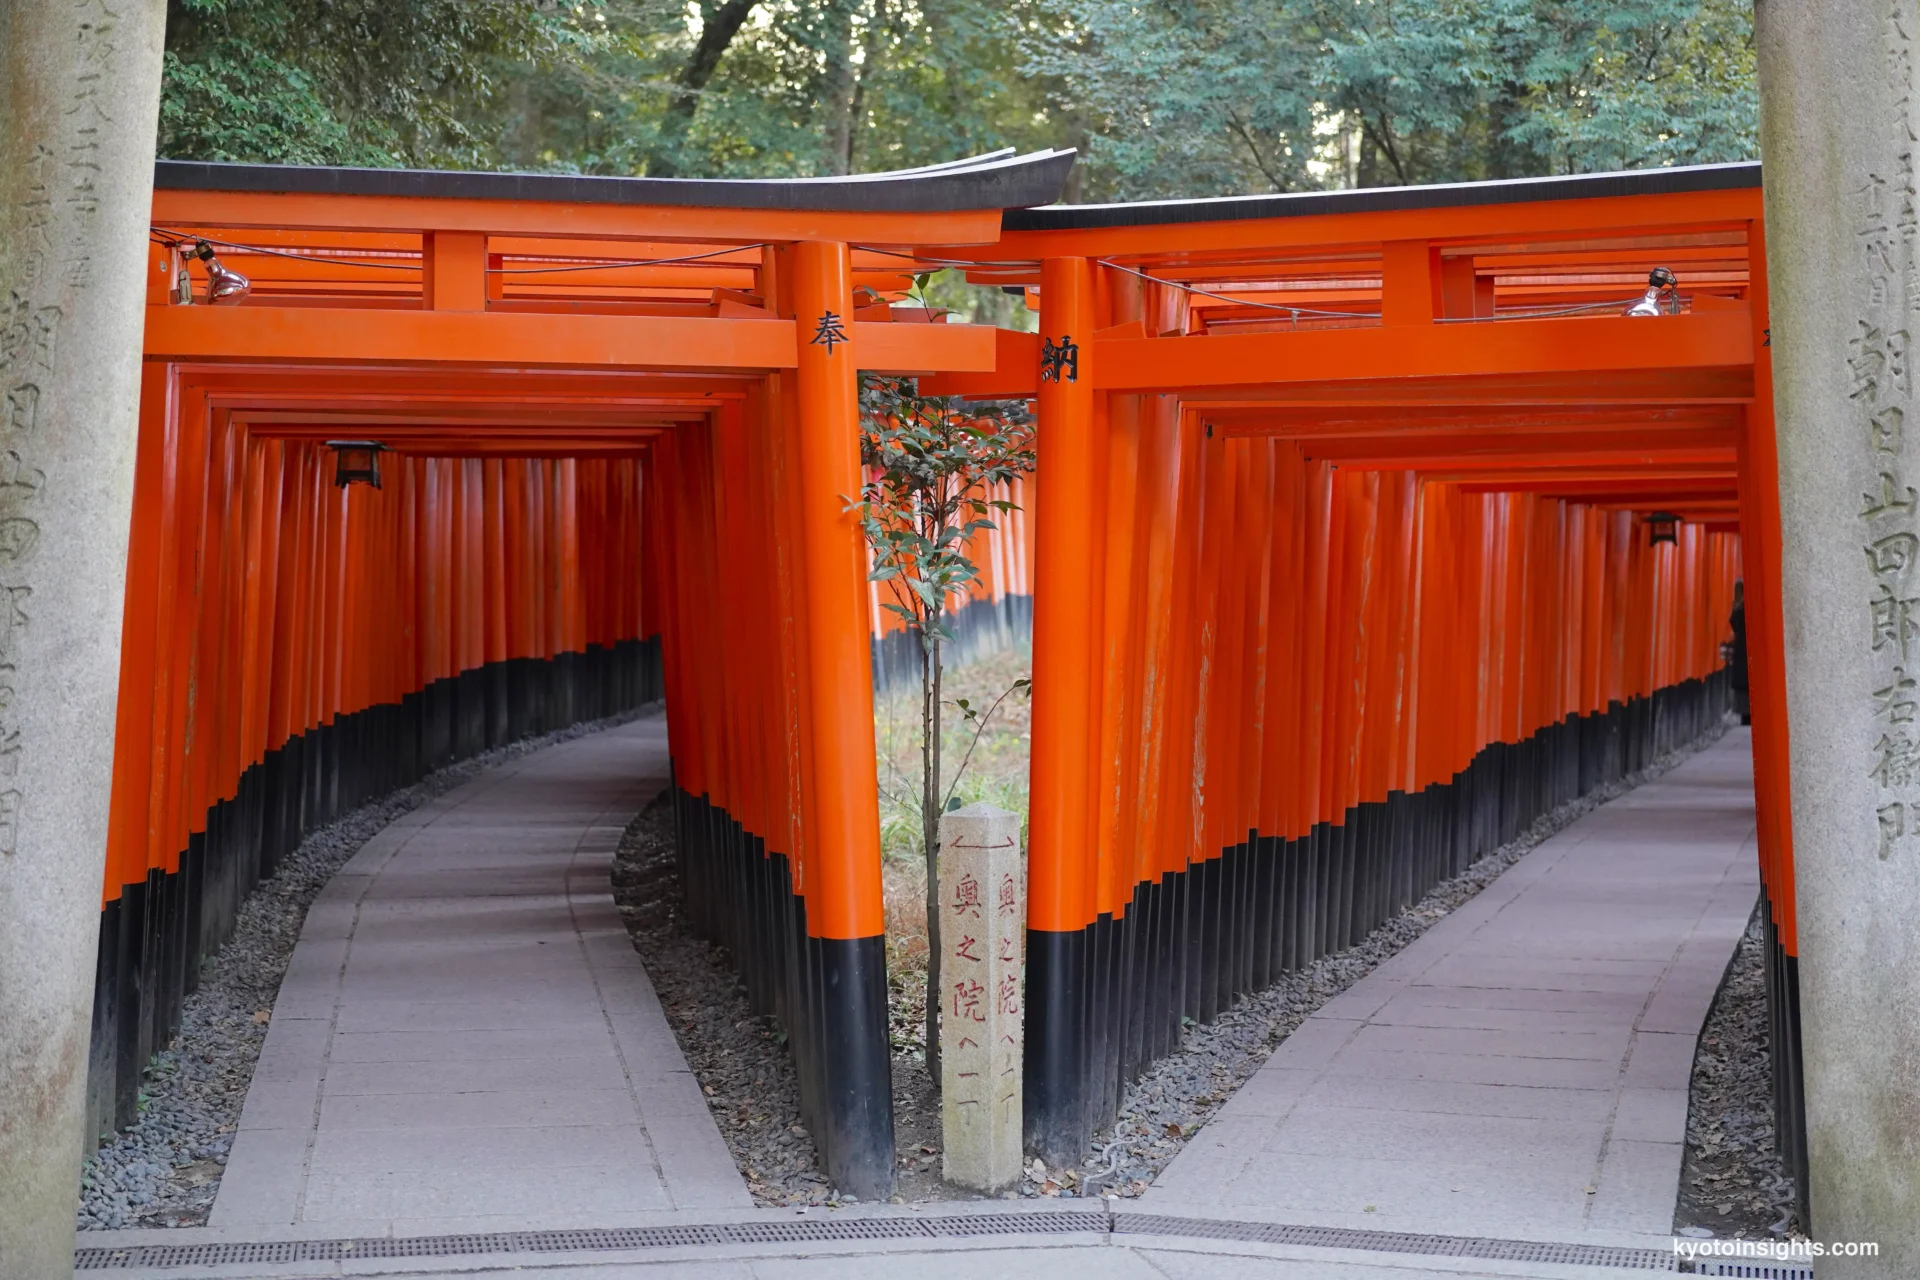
<point x="1660" y="281"/>
<point x="225" y="286"/>
<point x="356" y="462"/>
<point x="1662" y="527"/>
<point x="181" y="292"/>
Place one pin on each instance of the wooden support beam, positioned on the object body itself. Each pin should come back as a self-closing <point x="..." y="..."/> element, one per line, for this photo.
<point x="558" y="220"/>
<point x="473" y="337"/>
<point x="958" y="350"/>
<point x="1409" y="283"/>
<point x="454" y="275"/>
<point x="1707" y="356"/>
<point x="1519" y="349"/>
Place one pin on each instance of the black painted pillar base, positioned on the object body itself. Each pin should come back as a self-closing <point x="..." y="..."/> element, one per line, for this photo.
<point x="1106" y="1000"/>
<point x="154" y="937"/>
<point x="1057" y="1118"/>
<point x="1783" y="1044"/>
<point x="856" y="1121"/>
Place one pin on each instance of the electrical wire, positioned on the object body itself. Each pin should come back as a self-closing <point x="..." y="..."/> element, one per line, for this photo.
<point x="1542" y="313"/>
<point x="178" y="239"/>
<point x="636" y="262"/>
<point x="1294" y="311"/>
<point x="1105" y="1177"/>
<point x="1288" y="308"/>
<point x="949" y="262"/>
<point x="175" y="238"/>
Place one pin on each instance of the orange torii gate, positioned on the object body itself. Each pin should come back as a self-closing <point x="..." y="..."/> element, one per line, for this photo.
<point x="1343" y="549"/>
<point x="612" y="413"/>
<point x="1340" y="539"/>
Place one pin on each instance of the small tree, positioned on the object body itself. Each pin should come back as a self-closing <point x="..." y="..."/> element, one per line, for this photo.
<point x="933" y="466"/>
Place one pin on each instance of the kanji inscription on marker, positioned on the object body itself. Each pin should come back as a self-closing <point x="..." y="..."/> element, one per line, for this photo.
<point x="983" y="905"/>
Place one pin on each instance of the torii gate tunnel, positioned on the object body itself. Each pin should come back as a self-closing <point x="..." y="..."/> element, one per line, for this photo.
<point x="1366" y="529"/>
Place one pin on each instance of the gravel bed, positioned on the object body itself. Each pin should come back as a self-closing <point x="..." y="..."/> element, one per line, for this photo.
<point x="1176" y="1096"/>
<point x="1732" y="1183"/>
<point x="165" y="1170"/>
<point x="740" y="1060"/>
<point x="742" y="1065"/>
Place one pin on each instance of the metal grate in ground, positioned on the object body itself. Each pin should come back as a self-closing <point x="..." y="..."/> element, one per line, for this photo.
<point x="821" y="1230"/>
<point x="618" y="1239"/>
<point x="1744" y="1270"/>
<point x="1397" y="1242"/>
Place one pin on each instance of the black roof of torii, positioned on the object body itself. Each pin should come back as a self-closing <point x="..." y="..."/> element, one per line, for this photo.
<point x="997" y="180"/>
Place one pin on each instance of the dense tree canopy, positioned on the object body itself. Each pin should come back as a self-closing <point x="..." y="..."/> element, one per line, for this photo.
<point x="1165" y="97"/>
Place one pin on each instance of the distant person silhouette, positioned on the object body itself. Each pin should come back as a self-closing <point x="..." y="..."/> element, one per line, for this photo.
<point x="1737" y="654"/>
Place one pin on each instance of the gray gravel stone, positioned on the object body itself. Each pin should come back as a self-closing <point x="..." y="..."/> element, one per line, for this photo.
<point x="1732" y="1183"/>
<point x="165" y="1170"/>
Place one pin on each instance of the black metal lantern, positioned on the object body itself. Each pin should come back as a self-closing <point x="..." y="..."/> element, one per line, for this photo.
<point x="356" y="462"/>
<point x="1662" y="526"/>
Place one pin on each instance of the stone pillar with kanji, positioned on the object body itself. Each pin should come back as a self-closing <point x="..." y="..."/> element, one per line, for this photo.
<point x="983" y="905"/>
<point x="1840" y="99"/>
<point x="79" y="97"/>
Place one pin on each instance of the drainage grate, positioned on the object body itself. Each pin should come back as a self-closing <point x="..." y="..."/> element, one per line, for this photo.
<point x="403" y="1247"/>
<point x="186" y="1255"/>
<point x="1014" y="1224"/>
<point x="1752" y="1270"/>
<point x="1397" y="1242"/>
<point x="620" y="1238"/>
<point x="815" y="1230"/>
<point x="779" y="1231"/>
<point x="805" y="1230"/>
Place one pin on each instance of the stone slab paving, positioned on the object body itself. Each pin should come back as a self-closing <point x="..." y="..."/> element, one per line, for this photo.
<point x="1521" y="1070"/>
<point x="465" y="1039"/>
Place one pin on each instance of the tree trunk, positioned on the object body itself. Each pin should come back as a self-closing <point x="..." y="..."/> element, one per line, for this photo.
<point x="930" y="805"/>
<point x="837" y="88"/>
<point x="717" y="30"/>
<point x="869" y="67"/>
<point x="79" y="104"/>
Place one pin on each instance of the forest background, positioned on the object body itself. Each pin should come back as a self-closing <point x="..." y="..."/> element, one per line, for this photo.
<point x="1162" y="97"/>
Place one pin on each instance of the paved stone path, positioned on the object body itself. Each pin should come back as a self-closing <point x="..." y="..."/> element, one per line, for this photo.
<point x="466" y="1042"/>
<point x="465" y="1039"/>
<point x="1521" y="1070"/>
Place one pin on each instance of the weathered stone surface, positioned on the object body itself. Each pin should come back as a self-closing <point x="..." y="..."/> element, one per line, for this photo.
<point x="983" y="905"/>
<point x="79" y="98"/>
<point x="1839" y="129"/>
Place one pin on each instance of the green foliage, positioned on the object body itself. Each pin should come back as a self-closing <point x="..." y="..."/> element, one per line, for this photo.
<point x="933" y="463"/>
<point x="1166" y="97"/>
<point x="1205" y="97"/>
<point x="586" y="87"/>
<point x="933" y="466"/>
<point x="371" y="82"/>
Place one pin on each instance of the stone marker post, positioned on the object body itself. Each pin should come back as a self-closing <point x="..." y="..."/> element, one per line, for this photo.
<point x="79" y="103"/>
<point x="1840" y="129"/>
<point x="983" y="905"/>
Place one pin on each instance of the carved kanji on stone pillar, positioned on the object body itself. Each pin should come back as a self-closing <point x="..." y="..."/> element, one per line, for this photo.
<point x="983" y="901"/>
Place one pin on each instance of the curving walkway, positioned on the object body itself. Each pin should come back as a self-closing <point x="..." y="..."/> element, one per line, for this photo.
<point x="466" y="1043"/>
<point x="465" y="1039"/>
<point x="1521" y="1070"/>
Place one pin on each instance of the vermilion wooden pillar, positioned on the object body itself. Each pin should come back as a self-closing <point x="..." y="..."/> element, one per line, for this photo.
<point x="845" y="921"/>
<point x="1060" y="845"/>
<point x="1760" y="536"/>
